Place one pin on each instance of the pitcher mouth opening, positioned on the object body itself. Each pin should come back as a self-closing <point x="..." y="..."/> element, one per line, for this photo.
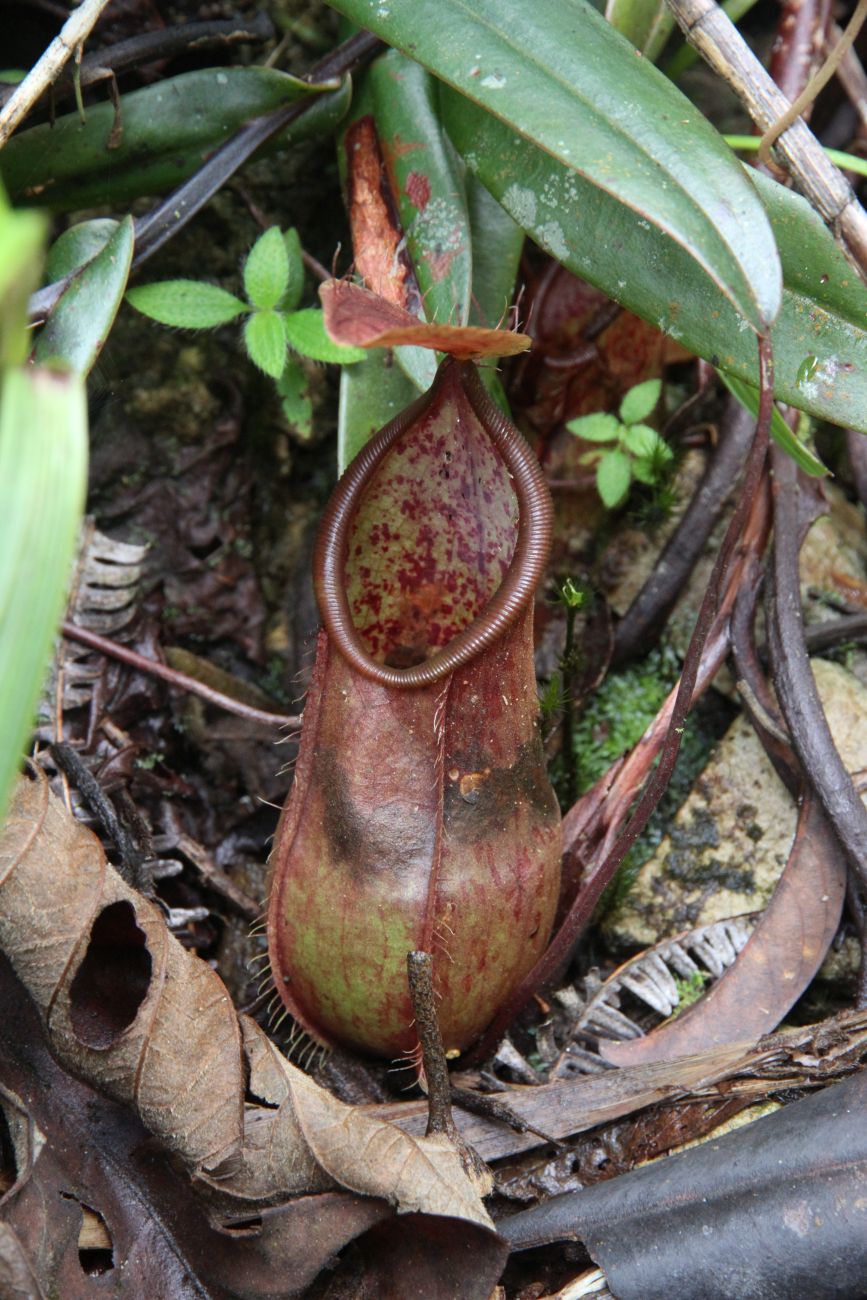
<point x="406" y="600"/>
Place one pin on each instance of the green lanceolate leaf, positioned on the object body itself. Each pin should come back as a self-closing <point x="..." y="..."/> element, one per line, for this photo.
<point x="497" y="241"/>
<point x="266" y="270"/>
<point x="557" y="74"/>
<point x="80" y="322"/>
<point x="427" y="184"/>
<point x="640" y="401"/>
<point x="820" y="342"/>
<point x="371" y="394"/>
<point x="186" y="304"/>
<point x="265" y="340"/>
<point x="824" y="305"/>
<point x="166" y="131"/>
<point x="43" y="465"/>
<point x="77" y="245"/>
<point x="748" y="396"/>
<point x="613" y="476"/>
<point x="306" y="333"/>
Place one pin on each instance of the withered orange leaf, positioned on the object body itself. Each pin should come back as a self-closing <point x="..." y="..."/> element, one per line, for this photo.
<point x="355" y="317"/>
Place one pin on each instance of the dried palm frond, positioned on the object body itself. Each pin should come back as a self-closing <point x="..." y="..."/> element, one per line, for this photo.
<point x="103" y="595"/>
<point x="661" y="979"/>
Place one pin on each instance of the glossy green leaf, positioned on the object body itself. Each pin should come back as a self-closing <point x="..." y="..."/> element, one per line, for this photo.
<point x="80" y="322"/>
<point x="295" y="283"/>
<point x="427" y="183"/>
<point x="640" y="401"/>
<point x="306" y="333"/>
<point x="265" y="340"/>
<point x="598" y="427"/>
<point x="294" y="389"/>
<point x="613" y="476"/>
<point x="77" y="245"/>
<point x="168" y="129"/>
<point x="748" y="396"/>
<point x="266" y="270"/>
<point x="371" y="394"/>
<point x="186" y="304"/>
<point x="43" y="469"/>
<point x="497" y="241"/>
<point x="824" y="308"/>
<point x="556" y="73"/>
<point x="647" y="24"/>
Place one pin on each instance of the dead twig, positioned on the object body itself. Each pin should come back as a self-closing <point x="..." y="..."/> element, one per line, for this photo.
<point x="164" y="43"/>
<point x="132" y="854"/>
<point x="852" y="77"/>
<point x="796" y="686"/>
<point x="721" y="45"/>
<point x="76" y="29"/>
<point x="419" y="969"/>
<point x="816" y="83"/>
<point x="799" y="45"/>
<point x="177" y="679"/>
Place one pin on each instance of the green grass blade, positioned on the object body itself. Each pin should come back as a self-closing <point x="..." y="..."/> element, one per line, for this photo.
<point x="43" y="464"/>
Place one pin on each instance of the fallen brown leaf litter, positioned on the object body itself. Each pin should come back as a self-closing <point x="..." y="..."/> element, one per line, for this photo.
<point x="258" y="1171"/>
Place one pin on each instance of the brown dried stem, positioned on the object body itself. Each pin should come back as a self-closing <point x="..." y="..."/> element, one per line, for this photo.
<point x="816" y="83"/>
<point x="799" y="45"/>
<point x="419" y="970"/>
<point x="796" y="686"/>
<point x="721" y="45"/>
<point x="177" y="679"/>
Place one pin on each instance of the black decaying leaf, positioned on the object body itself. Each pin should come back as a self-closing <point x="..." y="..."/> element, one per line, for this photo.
<point x="773" y="1211"/>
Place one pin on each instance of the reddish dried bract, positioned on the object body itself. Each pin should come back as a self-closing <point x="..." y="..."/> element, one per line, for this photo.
<point x="380" y="255"/>
<point x="358" y="318"/>
<point x="421" y="818"/>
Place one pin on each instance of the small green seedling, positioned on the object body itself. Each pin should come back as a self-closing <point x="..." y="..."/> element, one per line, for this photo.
<point x="689" y="990"/>
<point x="637" y="451"/>
<point x="273" y="277"/>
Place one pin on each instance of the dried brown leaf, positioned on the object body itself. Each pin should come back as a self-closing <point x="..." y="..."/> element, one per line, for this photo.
<point x="127" y="1008"/>
<point x="125" y="1005"/>
<point x="574" y="1105"/>
<point x="355" y="317"/>
<point x="94" y="1164"/>
<point x="358" y="1150"/>
<point x="17" y="1280"/>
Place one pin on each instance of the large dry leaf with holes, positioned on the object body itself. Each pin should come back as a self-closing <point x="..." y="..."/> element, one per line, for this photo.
<point x="126" y="1006"/>
<point x="92" y="1190"/>
<point x="127" y="1009"/>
